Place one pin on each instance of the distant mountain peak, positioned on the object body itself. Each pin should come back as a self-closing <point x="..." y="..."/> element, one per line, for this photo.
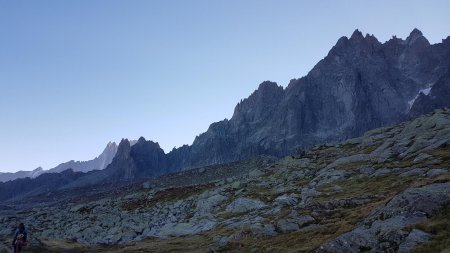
<point x="111" y="147"/>
<point x="123" y="145"/>
<point x="98" y="163"/>
<point x="111" y="144"/>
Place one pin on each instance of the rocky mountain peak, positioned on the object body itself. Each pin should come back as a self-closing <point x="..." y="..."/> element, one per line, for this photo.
<point x="36" y="172"/>
<point x="268" y="85"/>
<point x="370" y="38"/>
<point x="144" y="159"/>
<point x="110" y="150"/>
<point x="341" y="42"/>
<point x="142" y="142"/>
<point x="363" y="42"/>
<point x="357" y="43"/>
<point x="416" y="37"/>
<point x="266" y="88"/>
<point x="267" y="95"/>
<point x="124" y="147"/>
<point x="357" y="35"/>
<point x="415" y="33"/>
<point x="111" y="145"/>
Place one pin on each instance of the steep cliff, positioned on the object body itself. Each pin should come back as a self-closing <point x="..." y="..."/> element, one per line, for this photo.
<point x="360" y="85"/>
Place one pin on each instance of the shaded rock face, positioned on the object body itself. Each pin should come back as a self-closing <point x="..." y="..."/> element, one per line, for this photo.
<point x="438" y="97"/>
<point x="142" y="160"/>
<point x="360" y="85"/>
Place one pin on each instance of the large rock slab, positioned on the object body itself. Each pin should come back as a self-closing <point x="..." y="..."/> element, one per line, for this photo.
<point x="244" y="205"/>
<point x="207" y="206"/>
<point x="413" y="239"/>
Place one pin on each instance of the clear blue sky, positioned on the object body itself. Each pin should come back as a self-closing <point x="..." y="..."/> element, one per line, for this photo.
<point x="76" y="74"/>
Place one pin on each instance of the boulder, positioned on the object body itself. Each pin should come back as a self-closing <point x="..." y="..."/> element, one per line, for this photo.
<point x="414" y="172"/>
<point x="366" y="171"/>
<point x="436" y="172"/>
<point x="288" y="200"/>
<point x="255" y="173"/>
<point x="421" y="157"/>
<point x="304" y="220"/>
<point x="414" y="238"/>
<point x="259" y="229"/>
<point x="381" y="172"/>
<point x="287" y="225"/>
<point x="207" y="206"/>
<point x="327" y="175"/>
<point x="244" y="205"/>
<point x="242" y="222"/>
<point x="349" y="159"/>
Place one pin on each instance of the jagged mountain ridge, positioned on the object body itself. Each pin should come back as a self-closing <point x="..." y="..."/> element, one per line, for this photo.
<point x="8" y="176"/>
<point x="360" y="85"/>
<point x="98" y="163"/>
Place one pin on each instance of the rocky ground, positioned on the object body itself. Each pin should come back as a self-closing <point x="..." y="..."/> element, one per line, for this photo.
<point x="387" y="191"/>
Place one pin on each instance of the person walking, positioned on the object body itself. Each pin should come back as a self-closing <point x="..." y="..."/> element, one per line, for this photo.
<point x="20" y="238"/>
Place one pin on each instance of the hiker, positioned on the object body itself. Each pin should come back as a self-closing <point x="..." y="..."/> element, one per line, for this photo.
<point x="20" y="238"/>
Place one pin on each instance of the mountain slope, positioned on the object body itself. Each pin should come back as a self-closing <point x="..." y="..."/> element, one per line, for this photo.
<point x="386" y="191"/>
<point x="19" y="188"/>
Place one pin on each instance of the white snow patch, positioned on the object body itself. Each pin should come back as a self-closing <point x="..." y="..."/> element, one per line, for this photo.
<point x="425" y="91"/>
